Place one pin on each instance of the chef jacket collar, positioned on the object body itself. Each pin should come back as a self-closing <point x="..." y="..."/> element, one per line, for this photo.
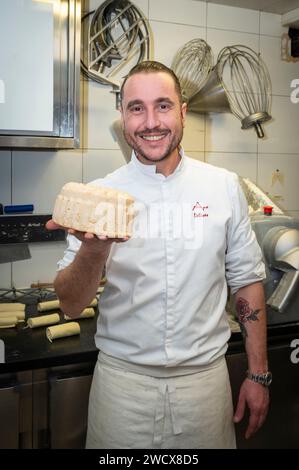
<point x="150" y="170"/>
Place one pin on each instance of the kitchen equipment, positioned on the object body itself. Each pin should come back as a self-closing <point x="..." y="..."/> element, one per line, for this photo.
<point x="278" y="237"/>
<point x="211" y="98"/>
<point x="192" y="65"/>
<point x="14" y="252"/>
<point x="16" y="231"/>
<point x="27" y="228"/>
<point x="117" y="33"/>
<point x="246" y="81"/>
<point x="239" y="83"/>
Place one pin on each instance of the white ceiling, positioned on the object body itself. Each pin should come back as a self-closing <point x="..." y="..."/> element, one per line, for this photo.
<point x="270" y="6"/>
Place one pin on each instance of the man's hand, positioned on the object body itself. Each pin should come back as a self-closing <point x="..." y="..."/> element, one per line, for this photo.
<point x="256" y="397"/>
<point x="91" y="240"/>
<point x="77" y="284"/>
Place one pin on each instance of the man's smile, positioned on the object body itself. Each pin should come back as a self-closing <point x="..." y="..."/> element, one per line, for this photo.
<point x="154" y="137"/>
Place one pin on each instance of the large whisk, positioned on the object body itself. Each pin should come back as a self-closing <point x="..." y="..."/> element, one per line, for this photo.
<point x="247" y="84"/>
<point x="192" y="65"/>
<point x="118" y="32"/>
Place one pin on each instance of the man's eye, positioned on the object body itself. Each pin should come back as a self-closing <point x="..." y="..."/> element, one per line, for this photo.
<point x="136" y="109"/>
<point x="164" y="106"/>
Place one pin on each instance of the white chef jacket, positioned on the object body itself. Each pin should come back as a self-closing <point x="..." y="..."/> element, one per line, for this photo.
<point x="164" y="301"/>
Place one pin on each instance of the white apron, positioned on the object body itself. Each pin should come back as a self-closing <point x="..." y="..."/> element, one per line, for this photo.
<point x="136" y="407"/>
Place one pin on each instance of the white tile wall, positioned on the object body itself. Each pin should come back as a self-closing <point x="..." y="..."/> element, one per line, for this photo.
<point x="231" y="18"/>
<point x="224" y="134"/>
<point x="42" y="265"/>
<point x="284" y="189"/>
<point x="37" y="176"/>
<point x="98" y="163"/>
<point x="99" y="113"/>
<point x="81" y="109"/>
<point x="270" y="24"/>
<point x="196" y="155"/>
<point x="189" y="12"/>
<point x="218" y="39"/>
<point x="194" y="133"/>
<point x="169" y="38"/>
<point x="244" y="164"/>
<point x="282" y="134"/>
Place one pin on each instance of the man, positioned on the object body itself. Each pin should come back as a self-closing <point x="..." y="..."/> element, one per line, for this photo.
<point x="161" y="379"/>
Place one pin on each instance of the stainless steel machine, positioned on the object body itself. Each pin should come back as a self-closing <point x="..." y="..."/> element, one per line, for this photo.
<point x="278" y="236"/>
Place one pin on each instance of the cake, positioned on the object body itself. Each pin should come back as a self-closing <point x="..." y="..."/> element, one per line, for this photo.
<point x="94" y="209"/>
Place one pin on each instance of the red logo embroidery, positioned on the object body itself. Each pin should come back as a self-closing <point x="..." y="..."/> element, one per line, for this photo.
<point x="200" y="210"/>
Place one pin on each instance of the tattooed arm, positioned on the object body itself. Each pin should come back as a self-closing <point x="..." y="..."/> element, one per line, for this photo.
<point x="251" y="312"/>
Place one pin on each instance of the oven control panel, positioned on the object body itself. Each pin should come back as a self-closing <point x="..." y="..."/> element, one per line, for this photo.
<point x="27" y="229"/>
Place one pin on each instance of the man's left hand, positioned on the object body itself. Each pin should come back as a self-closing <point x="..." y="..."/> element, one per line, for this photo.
<point x="256" y="397"/>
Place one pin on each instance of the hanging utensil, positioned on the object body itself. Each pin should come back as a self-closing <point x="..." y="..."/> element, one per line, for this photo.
<point x="118" y="32"/>
<point x="211" y="98"/>
<point x="192" y="65"/>
<point x="246" y="81"/>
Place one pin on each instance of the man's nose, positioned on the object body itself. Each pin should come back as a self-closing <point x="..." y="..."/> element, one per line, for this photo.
<point x="152" y="119"/>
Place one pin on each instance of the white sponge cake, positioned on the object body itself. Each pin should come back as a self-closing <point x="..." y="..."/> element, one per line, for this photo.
<point x="94" y="209"/>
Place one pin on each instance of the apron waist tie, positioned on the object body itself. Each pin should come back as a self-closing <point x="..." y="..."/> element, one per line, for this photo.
<point x="165" y="390"/>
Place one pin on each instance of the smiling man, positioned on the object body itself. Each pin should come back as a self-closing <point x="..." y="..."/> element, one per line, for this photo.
<point x="153" y="124"/>
<point x="161" y="379"/>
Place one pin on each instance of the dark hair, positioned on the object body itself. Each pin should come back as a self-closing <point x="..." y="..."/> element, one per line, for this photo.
<point x="151" y="66"/>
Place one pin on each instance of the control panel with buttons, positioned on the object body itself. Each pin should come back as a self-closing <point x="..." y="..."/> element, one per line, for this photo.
<point x="27" y="229"/>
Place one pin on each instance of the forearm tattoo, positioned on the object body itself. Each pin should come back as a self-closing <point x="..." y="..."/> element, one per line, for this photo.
<point x="245" y="314"/>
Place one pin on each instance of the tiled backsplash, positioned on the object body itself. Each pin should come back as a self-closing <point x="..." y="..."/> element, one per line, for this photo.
<point x="34" y="176"/>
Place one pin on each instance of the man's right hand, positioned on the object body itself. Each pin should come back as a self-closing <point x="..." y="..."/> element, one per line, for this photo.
<point x="77" y="284"/>
<point x="92" y="243"/>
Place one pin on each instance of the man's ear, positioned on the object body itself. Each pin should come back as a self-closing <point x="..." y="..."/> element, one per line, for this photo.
<point x="121" y="116"/>
<point x="183" y="113"/>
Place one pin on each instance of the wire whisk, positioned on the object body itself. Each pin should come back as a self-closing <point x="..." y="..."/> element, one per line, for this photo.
<point x="118" y="32"/>
<point x="192" y="65"/>
<point x="246" y="81"/>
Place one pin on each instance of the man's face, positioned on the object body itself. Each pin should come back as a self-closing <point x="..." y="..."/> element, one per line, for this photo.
<point x="153" y="118"/>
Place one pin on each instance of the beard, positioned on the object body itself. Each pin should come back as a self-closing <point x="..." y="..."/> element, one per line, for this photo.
<point x="139" y="150"/>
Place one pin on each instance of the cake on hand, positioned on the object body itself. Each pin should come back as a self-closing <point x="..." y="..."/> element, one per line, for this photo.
<point x="94" y="209"/>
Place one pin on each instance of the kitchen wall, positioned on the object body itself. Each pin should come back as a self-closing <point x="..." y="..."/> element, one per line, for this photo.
<point x="29" y="176"/>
